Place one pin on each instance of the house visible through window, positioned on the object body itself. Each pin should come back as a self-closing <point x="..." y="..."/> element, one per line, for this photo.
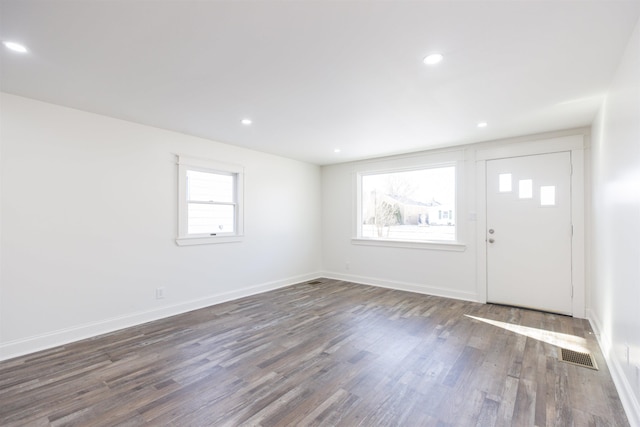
<point x="411" y="205"/>
<point x="210" y="202"/>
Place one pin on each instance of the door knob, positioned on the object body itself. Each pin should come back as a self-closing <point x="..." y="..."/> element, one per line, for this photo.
<point x="491" y="240"/>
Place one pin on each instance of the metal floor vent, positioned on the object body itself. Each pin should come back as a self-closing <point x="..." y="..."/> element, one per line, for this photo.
<point x="577" y="358"/>
<point x="315" y="282"/>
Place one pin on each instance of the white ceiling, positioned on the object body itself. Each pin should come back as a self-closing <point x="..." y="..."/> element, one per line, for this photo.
<point x="319" y="75"/>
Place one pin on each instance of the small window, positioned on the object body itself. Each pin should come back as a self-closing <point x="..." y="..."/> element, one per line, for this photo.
<point x="408" y="205"/>
<point x="525" y="188"/>
<point x="504" y="182"/>
<point x="210" y="202"/>
<point x="548" y="195"/>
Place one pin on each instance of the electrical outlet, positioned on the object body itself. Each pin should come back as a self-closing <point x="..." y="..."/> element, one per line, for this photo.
<point x="159" y="293"/>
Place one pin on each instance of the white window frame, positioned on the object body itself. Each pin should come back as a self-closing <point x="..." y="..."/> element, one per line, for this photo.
<point x="186" y="164"/>
<point x="401" y="165"/>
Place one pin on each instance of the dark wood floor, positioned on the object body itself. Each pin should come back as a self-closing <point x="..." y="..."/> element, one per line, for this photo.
<point x="333" y="353"/>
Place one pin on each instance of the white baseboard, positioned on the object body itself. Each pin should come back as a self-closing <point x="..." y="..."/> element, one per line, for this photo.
<point x="625" y="391"/>
<point x="403" y="286"/>
<point x="52" y="339"/>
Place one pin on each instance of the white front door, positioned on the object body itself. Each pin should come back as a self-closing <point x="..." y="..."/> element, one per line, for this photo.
<point x="529" y="232"/>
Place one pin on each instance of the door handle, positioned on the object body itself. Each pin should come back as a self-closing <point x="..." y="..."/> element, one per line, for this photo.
<point x="491" y="240"/>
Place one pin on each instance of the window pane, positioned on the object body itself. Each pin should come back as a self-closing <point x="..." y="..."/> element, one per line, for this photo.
<point x="209" y="187"/>
<point x="548" y="195"/>
<point x="525" y="189"/>
<point x="209" y="219"/>
<point x="504" y="182"/>
<point x="409" y="205"/>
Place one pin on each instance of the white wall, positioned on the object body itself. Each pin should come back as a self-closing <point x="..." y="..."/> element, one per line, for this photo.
<point x="615" y="281"/>
<point x="89" y="220"/>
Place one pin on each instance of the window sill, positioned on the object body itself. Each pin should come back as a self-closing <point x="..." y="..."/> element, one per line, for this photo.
<point x="190" y="241"/>
<point x="438" y="246"/>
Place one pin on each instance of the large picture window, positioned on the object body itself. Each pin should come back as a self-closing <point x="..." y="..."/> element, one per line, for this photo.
<point x="408" y="205"/>
<point x="210" y="202"/>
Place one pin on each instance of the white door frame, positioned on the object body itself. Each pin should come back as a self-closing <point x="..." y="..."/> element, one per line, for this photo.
<point x="572" y="143"/>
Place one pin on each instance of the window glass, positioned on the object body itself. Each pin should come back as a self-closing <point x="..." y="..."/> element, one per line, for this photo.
<point x="548" y="195"/>
<point x="504" y="182"/>
<point x="409" y="205"/>
<point x="209" y="187"/>
<point x="209" y="218"/>
<point x="525" y="189"/>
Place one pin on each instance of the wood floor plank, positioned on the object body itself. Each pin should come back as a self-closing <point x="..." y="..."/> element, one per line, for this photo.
<point x="328" y="354"/>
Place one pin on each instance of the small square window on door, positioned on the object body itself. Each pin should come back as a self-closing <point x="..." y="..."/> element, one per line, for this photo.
<point x="548" y="195"/>
<point x="525" y="189"/>
<point x="504" y="182"/>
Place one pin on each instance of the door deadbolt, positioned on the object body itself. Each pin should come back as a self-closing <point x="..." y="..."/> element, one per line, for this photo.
<point x="491" y="231"/>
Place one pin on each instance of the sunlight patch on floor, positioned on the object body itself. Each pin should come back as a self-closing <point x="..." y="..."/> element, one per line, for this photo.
<point x="567" y="341"/>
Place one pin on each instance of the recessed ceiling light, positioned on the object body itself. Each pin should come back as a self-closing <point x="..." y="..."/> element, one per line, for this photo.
<point x="433" y="59"/>
<point x="482" y="124"/>
<point x="246" y="122"/>
<point x="16" y="47"/>
<point x="336" y="150"/>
